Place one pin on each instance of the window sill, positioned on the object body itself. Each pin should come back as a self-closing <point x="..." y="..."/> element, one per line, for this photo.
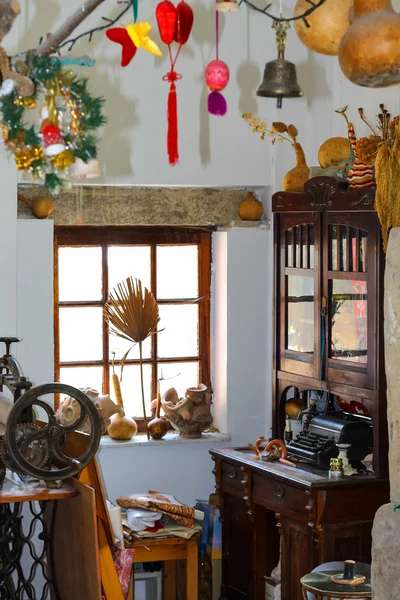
<point x="171" y="438"/>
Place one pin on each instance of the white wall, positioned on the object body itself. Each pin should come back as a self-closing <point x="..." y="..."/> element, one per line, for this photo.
<point x="241" y="376"/>
<point x="35" y="306"/>
<point x="241" y="330"/>
<point x="242" y="303"/>
<point x="214" y="150"/>
<point x="8" y="246"/>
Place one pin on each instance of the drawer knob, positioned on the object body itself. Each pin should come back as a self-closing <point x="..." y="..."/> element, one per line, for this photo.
<point x="232" y="473"/>
<point x="279" y="491"/>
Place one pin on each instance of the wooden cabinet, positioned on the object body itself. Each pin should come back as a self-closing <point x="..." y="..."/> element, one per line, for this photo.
<point x="329" y="268"/>
<point x="328" y="342"/>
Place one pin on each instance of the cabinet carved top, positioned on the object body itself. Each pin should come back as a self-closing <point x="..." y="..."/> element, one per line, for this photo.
<point x="324" y="194"/>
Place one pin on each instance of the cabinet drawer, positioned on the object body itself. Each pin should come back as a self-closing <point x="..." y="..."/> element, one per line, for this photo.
<point x="231" y="476"/>
<point x="280" y="497"/>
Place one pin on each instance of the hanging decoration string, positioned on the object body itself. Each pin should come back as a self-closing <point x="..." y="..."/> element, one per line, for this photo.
<point x="265" y="11"/>
<point x="217" y="34"/>
<point x="135" y="10"/>
<point x="217" y="78"/>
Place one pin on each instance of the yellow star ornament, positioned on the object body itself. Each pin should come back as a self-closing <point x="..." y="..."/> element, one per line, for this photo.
<point x="138" y="32"/>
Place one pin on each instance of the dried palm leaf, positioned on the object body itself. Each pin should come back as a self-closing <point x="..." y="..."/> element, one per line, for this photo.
<point x="132" y="311"/>
<point x="132" y="314"/>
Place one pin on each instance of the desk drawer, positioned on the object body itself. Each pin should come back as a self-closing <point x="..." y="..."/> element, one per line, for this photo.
<point x="280" y="497"/>
<point x="231" y="476"/>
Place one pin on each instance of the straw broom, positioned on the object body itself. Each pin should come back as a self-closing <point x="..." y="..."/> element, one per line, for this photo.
<point x="387" y="175"/>
<point x="132" y="314"/>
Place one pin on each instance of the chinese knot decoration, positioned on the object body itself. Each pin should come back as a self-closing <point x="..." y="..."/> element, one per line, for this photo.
<point x="175" y="25"/>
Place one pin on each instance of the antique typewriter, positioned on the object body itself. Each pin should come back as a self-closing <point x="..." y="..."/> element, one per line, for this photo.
<point x="317" y="444"/>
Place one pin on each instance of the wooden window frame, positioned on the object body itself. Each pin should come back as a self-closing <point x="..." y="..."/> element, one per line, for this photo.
<point x="150" y="236"/>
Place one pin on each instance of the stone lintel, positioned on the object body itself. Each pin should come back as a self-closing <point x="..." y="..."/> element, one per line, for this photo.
<point x="140" y="206"/>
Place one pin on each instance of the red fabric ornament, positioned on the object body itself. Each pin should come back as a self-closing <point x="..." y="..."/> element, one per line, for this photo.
<point x="166" y="16"/>
<point x="182" y="19"/>
<point x="184" y="22"/>
<point x="52" y="140"/>
<point x="121" y="36"/>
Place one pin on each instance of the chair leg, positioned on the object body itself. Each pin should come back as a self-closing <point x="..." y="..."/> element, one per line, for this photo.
<point x="169" y="572"/>
<point x="192" y="568"/>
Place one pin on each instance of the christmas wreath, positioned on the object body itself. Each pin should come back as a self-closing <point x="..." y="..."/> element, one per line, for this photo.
<point x="46" y="145"/>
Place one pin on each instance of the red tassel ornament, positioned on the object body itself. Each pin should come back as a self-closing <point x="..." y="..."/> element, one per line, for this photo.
<point x="172" y="139"/>
<point x="175" y="24"/>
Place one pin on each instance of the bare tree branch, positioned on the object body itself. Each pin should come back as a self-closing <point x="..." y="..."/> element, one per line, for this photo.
<point x="52" y="41"/>
<point x="9" y="9"/>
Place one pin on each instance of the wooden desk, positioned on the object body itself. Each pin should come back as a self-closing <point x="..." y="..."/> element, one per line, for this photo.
<point x="169" y="550"/>
<point x="319" y="520"/>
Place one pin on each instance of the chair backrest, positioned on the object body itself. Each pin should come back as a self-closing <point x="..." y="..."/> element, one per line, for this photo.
<point x="361" y="568"/>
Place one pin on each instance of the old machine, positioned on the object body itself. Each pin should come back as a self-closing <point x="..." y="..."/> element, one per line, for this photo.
<point x="329" y="393"/>
<point x="37" y="455"/>
<point x="317" y="443"/>
<point x="33" y="443"/>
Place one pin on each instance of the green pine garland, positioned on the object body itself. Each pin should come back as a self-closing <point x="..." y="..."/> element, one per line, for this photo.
<point x="18" y="135"/>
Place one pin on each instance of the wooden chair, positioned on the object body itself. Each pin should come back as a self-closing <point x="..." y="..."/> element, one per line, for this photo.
<point x="170" y="550"/>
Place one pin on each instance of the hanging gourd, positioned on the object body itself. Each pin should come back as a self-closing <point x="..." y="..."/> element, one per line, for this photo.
<point x="369" y="53"/>
<point x="323" y="29"/>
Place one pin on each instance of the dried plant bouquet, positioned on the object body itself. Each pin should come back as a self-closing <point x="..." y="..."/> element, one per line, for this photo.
<point x="133" y="315"/>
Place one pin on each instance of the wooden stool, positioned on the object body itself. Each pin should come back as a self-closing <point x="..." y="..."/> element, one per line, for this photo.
<point x="320" y="584"/>
<point x="169" y="550"/>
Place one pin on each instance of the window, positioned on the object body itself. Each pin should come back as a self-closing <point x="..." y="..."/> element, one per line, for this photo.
<point x="175" y="265"/>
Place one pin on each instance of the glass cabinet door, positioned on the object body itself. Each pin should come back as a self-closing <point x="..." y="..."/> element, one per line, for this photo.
<point x="349" y="276"/>
<point x="298" y="282"/>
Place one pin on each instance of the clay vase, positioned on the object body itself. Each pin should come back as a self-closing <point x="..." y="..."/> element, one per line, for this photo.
<point x="328" y="24"/>
<point x="295" y="179"/>
<point x="369" y="53"/>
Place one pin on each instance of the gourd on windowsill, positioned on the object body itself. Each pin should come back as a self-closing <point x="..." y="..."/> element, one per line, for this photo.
<point x="121" y="427"/>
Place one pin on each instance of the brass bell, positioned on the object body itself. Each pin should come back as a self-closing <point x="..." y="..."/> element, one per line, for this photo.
<point x="280" y="79"/>
<point x="226" y="5"/>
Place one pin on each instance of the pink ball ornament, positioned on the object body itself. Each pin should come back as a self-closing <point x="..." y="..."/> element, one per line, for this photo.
<point x="217" y="75"/>
<point x="217" y="78"/>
